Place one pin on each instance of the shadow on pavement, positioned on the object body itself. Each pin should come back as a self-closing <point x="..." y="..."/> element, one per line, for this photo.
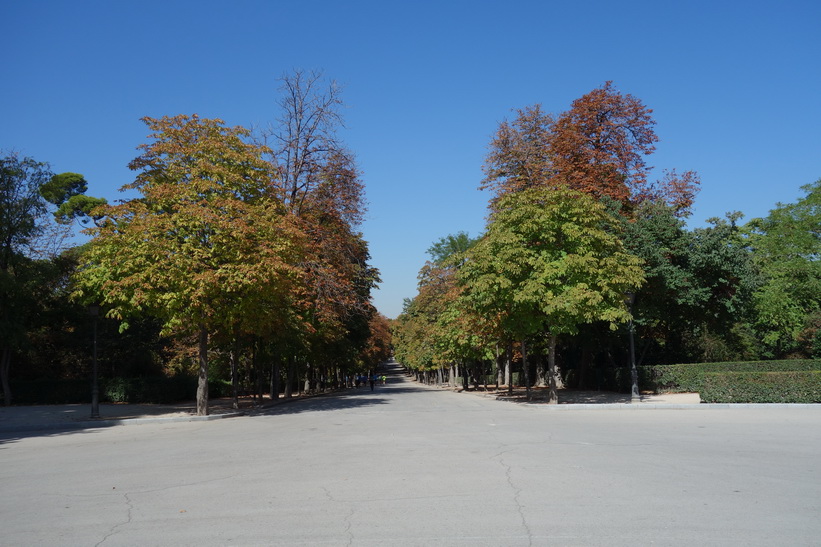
<point x="324" y="403"/>
<point x="8" y="437"/>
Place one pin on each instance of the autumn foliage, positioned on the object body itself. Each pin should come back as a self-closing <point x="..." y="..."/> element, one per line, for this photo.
<point x="599" y="147"/>
<point x="244" y="244"/>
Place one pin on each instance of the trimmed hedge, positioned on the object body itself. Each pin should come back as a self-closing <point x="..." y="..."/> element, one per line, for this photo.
<point x="762" y="387"/>
<point x="690" y="378"/>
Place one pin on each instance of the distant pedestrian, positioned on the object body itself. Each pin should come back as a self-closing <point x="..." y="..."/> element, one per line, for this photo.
<point x="384" y="379"/>
<point x="371" y="382"/>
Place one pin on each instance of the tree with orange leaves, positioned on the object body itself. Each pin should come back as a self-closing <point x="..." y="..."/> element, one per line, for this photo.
<point x="206" y="247"/>
<point x="598" y="147"/>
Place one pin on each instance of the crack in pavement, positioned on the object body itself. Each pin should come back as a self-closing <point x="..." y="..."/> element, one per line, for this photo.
<point x="130" y="503"/>
<point x="347" y="519"/>
<point x="516" y="492"/>
<point x="130" y="507"/>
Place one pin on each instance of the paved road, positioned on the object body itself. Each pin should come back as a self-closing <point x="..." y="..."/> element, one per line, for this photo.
<point x="410" y="465"/>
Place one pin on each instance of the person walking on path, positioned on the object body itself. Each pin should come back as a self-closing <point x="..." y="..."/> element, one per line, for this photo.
<point x="371" y="381"/>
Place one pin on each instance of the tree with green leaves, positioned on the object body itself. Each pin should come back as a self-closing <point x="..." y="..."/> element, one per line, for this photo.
<point x="27" y="190"/>
<point x="549" y="262"/>
<point x="205" y="248"/>
<point x="786" y="248"/>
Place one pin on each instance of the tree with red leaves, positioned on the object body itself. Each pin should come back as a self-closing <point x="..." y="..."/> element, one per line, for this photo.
<point x="598" y="147"/>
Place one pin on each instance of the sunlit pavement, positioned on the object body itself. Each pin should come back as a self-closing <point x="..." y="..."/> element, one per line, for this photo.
<point x="412" y="465"/>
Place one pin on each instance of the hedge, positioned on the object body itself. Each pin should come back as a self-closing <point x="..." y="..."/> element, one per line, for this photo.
<point x="762" y="387"/>
<point x="690" y="378"/>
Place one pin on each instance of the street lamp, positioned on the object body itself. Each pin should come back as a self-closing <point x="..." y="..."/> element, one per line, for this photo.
<point x="629" y="299"/>
<point x="94" y="312"/>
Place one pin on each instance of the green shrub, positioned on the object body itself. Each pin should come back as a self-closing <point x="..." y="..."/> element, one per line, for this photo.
<point x="158" y="389"/>
<point x="217" y="389"/>
<point x="689" y="378"/>
<point x="762" y="387"/>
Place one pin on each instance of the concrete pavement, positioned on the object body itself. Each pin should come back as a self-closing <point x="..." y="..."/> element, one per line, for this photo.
<point x="409" y="465"/>
<point x="45" y="417"/>
<point x="55" y="417"/>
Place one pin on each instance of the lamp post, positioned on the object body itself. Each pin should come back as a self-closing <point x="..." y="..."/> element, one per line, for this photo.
<point x="630" y="298"/>
<point x="94" y="312"/>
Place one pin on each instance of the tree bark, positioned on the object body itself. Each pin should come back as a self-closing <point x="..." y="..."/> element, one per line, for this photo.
<point x="526" y="370"/>
<point x="233" y="357"/>
<point x="202" y="380"/>
<point x="274" y="379"/>
<point x="500" y="378"/>
<point x="553" y="394"/>
<point x="509" y="369"/>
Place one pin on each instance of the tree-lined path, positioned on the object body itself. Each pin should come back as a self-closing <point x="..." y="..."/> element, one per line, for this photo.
<point x="412" y="465"/>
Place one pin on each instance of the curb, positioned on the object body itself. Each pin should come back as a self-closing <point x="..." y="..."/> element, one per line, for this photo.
<point x="98" y="424"/>
<point x="667" y="406"/>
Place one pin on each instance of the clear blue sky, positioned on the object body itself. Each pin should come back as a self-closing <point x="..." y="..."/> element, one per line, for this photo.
<point x="735" y="88"/>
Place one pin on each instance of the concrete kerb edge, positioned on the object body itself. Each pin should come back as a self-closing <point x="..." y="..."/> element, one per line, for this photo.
<point x="98" y="424"/>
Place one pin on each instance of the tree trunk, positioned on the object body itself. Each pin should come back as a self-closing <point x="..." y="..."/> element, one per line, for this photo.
<point x="258" y="371"/>
<point x="526" y="370"/>
<point x="274" y="379"/>
<point x="202" y="381"/>
<point x="553" y="394"/>
<point x="509" y="369"/>
<point x="5" y="366"/>
<point x="233" y="358"/>
<point x="476" y="369"/>
<point x="500" y="368"/>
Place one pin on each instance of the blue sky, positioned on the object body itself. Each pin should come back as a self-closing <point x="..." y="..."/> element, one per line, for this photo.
<point x="735" y="88"/>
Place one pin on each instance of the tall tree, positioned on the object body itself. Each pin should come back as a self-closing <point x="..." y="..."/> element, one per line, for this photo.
<point x="204" y="242"/>
<point x="319" y="182"/>
<point x="599" y="144"/>
<point x="550" y="262"/>
<point x="787" y="250"/>
<point x="519" y="155"/>
<point x="22" y="208"/>
<point x="314" y="168"/>
<point x="598" y="147"/>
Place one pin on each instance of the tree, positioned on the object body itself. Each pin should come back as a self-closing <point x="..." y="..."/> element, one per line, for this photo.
<point x="598" y="147"/>
<point x="204" y="247"/>
<point x="550" y="261"/>
<point x="29" y="240"/>
<point x="21" y="208"/>
<point x="786" y="248"/>
<point x="449" y="247"/>
<point x="698" y="284"/>
<point x="315" y="170"/>
<point x="21" y="181"/>
<point x="520" y="156"/>
<point x="319" y="183"/>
